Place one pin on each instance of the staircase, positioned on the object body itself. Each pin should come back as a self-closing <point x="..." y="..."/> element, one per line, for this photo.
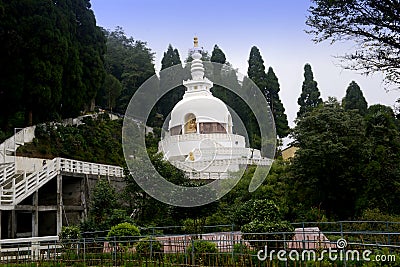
<point x="7" y="170"/>
<point x="9" y="147"/>
<point x="16" y="187"/>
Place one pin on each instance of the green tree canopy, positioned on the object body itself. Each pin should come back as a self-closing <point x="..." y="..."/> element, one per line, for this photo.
<point x="355" y="99"/>
<point x="109" y="93"/>
<point x="275" y="103"/>
<point x="256" y="69"/>
<point x="218" y="55"/>
<point x="327" y="165"/>
<point x="381" y="161"/>
<point x="269" y="86"/>
<point x="51" y="61"/>
<point x="310" y="95"/>
<point x="171" y="58"/>
<point x="128" y="60"/>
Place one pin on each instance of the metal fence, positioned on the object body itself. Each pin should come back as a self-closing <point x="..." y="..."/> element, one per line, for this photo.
<point x="229" y="247"/>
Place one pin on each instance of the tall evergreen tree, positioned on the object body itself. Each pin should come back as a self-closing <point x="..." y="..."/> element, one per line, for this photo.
<point x="310" y="95"/>
<point x="171" y="58"/>
<point x="354" y="99"/>
<point x="218" y="55"/>
<point x="269" y="85"/>
<point x="256" y="69"/>
<point x="51" y="58"/>
<point x="272" y="90"/>
<point x="225" y="74"/>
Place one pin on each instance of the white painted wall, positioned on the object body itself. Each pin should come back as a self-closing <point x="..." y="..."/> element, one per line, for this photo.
<point x="28" y="165"/>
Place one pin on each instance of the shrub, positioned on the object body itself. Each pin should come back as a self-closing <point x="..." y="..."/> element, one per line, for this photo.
<point x="202" y="247"/>
<point x="124" y="229"/>
<point x="203" y="251"/>
<point x="68" y="236"/>
<point x="70" y="232"/>
<point x="147" y="245"/>
<point x="262" y="230"/>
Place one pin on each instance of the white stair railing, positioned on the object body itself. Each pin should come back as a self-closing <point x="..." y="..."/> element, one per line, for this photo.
<point x="34" y="181"/>
<point x="6" y="172"/>
<point x="14" y="191"/>
<point x="83" y="167"/>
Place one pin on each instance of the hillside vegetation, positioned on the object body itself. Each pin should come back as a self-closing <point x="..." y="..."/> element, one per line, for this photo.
<point x="97" y="140"/>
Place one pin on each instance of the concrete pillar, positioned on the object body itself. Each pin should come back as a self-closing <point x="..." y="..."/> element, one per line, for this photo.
<point x="59" y="203"/>
<point x="13" y="224"/>
<point x="35" y="214"/>
<point x="1" y="226"/>
<point x="83" y="197"/>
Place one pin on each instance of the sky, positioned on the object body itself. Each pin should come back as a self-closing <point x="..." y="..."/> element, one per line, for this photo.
<point x="277" y="28"/>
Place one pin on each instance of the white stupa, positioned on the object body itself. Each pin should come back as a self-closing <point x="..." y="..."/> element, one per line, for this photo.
<point x="200" y="138"/>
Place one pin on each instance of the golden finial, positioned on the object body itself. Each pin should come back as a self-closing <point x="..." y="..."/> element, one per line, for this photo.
<point x="196" y="42"/>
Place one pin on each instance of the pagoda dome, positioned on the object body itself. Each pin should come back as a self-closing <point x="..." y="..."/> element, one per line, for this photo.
<point x="199" y="111"/>
<point x="206" y="112"/>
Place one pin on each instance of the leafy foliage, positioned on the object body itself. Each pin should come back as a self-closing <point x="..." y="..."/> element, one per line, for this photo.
<point x="275" y="103"/>
<point x="70" y="233"/>
<point x="263" y="217"/>
<point x="98" y="140"/>
<point x="327" y="166"/>
<point x="372" y="25"/>
<point x="51" y="62"/>
<point x="310" y="95"/>
<point x="147" y="245"/>
<point x="269" y="85"/>
<point x="355" y="99"/>
<point x="202" y="247"/>
<point x="168" y="101"/>
<point x="346" y="162"/>
<point x="124" y="230"/>
<point x="130" y="62"/>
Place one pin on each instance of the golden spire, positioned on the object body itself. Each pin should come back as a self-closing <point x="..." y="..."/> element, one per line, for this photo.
<point x="196" y="41"/>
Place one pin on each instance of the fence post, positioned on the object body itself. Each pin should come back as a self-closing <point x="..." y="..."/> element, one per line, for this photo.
<point x="285" y="248"/>
<point x="151" y="244"/>
<point x="191" y="240"/>
<point x="387" y="230"/>
<point x="232" y="241"/>
<point x="344" y="249"/>
<point x="115" y="251"/>
<point x="304" y="237"/>
<point x="84" y="251"/>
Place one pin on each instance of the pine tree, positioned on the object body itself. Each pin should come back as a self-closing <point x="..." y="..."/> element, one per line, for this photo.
<point x="354" y="99"/>
<point x="269" y="86"/>
<point x="218" y="55"/>
<point x="166" y="104"/>
<point x="170" y="58"/>
<point x="272" y="94"/>
<point x="256" y="70"/>
<point x="310" y="95"/>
